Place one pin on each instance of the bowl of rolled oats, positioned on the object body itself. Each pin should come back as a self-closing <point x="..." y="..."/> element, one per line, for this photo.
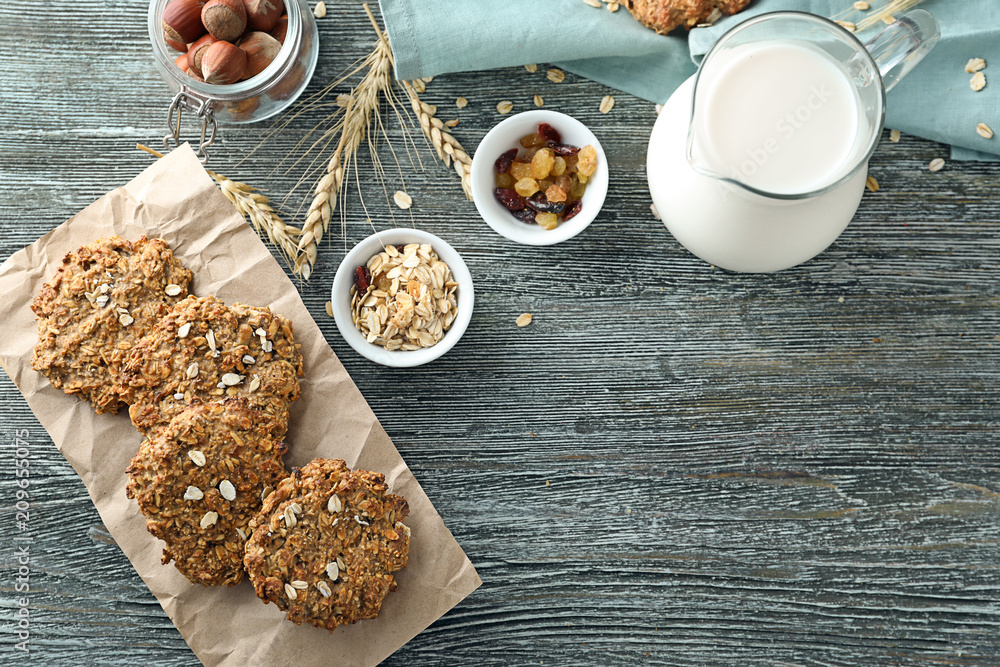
<point x="402" y="297"/>
<point x="539" y="177"/>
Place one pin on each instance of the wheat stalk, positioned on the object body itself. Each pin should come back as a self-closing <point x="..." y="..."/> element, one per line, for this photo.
<point x="445" y="145"/>
<point x="361" y="103"/>
<point x="254" y="206"/>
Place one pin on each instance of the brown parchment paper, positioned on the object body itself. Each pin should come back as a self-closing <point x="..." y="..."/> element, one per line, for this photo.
<point x="176" y="200"/>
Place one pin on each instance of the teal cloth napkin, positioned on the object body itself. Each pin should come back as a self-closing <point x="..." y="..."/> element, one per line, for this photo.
<point x="432" y="37"/>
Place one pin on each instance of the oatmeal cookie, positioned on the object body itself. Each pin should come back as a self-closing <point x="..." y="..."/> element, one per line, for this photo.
<point x="200" y="480"/>
<point x="102" y="300"/>
<point x="203" y="349"/>
<point x="326" y="543"/>
<point x="665" y="15"/>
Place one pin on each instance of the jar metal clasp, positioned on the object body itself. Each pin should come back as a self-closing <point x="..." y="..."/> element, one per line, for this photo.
<point x="202" y="108"/>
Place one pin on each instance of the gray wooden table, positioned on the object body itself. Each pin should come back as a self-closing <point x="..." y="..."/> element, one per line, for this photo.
<point x="672" y="465"/>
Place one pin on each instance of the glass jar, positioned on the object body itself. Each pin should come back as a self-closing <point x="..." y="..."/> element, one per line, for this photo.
<point x="249" y="101"/>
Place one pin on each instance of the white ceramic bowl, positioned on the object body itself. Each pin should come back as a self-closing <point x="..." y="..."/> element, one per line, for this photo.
<point x="505" y="136"/>
<point x="359" y="256"/>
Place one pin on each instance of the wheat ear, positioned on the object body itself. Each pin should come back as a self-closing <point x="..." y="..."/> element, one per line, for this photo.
<point x="254" y="206"/>
<point x="445" y="144"/>
<point x="362" y="102"/>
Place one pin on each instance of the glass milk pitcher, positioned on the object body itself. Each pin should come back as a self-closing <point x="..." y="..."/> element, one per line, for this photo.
<point x="758" y="162"/>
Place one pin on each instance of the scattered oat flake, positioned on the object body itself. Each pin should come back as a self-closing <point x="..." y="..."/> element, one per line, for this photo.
<point x="332" y="571"/>
<point x="975" y="65"/>
<point x="324" y="589"/>
<point x="329" y="313"/>
<point x="402" y="199"/>
<point x="198" y="457"/>
<point x="172" y="290"/>
<point x="209" y="519"/>
<point x="593" y="3"/>
<point x="984" y="130"/>
<point x="607" y="104"/>
<point x="184" y="330"/>
<point x="239" y="531"/>
<point x="523" y="320"/>
<point x="613" y="6"/>
<point x="451" y="123"/>
<point x="978" y="81"/>
<point x="247" y="359"/>
<point x="178" y="396"/>
<point x="840" y="299"/>
<point x="862" y="6"/>
<point x="871" y="183"/>
<point x="461" y="103"/>
<point x="505" y="107"/>
<point x="291" y="592"/>
<point x="539" y="101"/>
<point x="125" y="319"/>
<point x="300" y="585"/>
<point x="937" y="164"/>
<point x="231" y="379"/>
<point x="320" y="9"/>
<point x="848" y="26"/>
<point x="193" y="493"/>
<point x="894" y="136"/>
<point x="334" y="504"/>
<point x="531" y="68"/>
<point x="192" y="371"/>
<point x="555" y="75"/>
<point x="656" y="214"/>
<point x="254" y="383"/>
<point x="227" y="489"/>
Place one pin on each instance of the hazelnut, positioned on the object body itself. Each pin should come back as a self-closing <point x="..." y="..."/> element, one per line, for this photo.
<point x="263" y="15"/>
<point x="196" y="51"/>
<point x="225" y="19"/>
<point x="182" y="21"/>
<point x="281" y="29"/>
<point x="175" y="45"/>
<point x="223" y="63"/>
<point x="261" y="50"/>
<point x="182" y="62"/>
<point x="194" y="75"/>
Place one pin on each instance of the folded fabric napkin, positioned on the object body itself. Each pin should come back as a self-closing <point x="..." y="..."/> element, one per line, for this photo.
<point x="933" y="101"/>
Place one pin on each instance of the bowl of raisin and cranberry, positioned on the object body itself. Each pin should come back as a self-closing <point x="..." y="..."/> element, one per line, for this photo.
<point x="539" y="177"/>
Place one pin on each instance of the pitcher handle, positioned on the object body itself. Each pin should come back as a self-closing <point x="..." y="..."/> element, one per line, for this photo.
<point x="901" y="45"/>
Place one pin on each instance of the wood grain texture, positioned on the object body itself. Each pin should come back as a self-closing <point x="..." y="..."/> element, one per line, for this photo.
<point x="672" y="465"/>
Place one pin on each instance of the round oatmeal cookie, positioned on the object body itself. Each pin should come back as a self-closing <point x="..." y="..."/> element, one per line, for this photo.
<point x="203" y="349"/>
<point x="665" y="15"/>
<point x="200" y="480"/>
<point x="102" y="300"/>
<point x="326" y="543"/>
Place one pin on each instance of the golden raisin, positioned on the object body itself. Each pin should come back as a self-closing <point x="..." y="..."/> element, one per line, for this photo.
<point x="519" y="170"/>
<point x="559" y="166"/>
<point x="542" y="162"/>
<point x="532" y="140"/>
<point x="587" y="164"/>
<point x="505" y="181"/>
<point x="578" y="188"/>
<point x="526" y="187"/>
<point x="555" y="193"/>
<point x="547" y="220"/>
<point x="544" y="184"/>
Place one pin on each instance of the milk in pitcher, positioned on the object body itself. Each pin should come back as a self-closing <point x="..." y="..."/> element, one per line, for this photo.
<point x="778" y="116"/>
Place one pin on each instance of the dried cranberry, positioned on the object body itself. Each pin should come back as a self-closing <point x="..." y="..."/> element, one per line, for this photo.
<point x="539" y="203"/>
<point x="549" y="133"/>
<point x="400" y="247"/>
<point x="509" y="198"/>
<point x="573" y="209"/>
<point x="505" y="160"/>
<point x="563" y="149"/>
<point x="524" y="215"/>
<point x="362" y="279"/>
